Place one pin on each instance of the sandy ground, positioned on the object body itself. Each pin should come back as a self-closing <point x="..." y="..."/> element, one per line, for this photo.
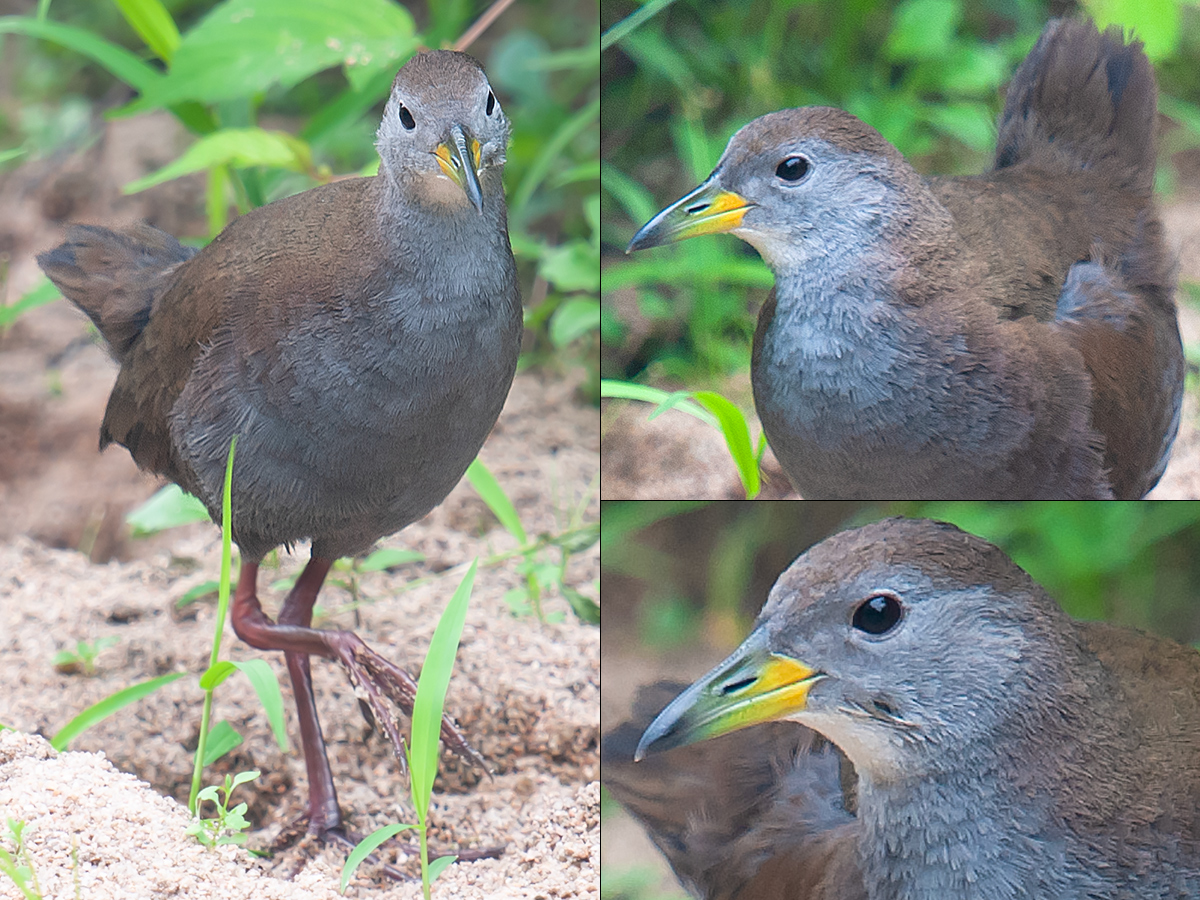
<point x="675" y="456"/>
<point x="525" y="693"/>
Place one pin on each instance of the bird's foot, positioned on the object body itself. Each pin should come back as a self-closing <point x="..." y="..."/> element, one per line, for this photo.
<point x="377" y="680"/>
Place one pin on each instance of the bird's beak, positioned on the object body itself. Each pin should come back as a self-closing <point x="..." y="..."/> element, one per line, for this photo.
<point x="458" y="155"/>
<point x="753" y="685"/>
<point x="709" y="209"/>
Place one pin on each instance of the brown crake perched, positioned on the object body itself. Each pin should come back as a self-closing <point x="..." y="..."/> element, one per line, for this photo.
<point x="1000" y="750"/>
<point x="358" y="338"/>
<point x="1008" y="335"/>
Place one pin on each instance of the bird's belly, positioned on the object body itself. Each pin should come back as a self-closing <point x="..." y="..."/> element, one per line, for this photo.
<point x="345" y="455"/>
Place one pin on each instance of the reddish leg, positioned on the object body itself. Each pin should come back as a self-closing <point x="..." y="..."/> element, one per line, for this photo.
<point x="370" y="674"/>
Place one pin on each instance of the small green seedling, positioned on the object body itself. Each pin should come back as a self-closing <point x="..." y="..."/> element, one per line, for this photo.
<point x="426" y="731"/>
<point x="18" y="865"/>
<point x="228" y="825"/>
<point x="83" y="657"/>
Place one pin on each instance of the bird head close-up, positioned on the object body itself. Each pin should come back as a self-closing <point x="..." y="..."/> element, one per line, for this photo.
<point x="443" y="134"/>
<point x="801" y="186"/>
<point x="862" y="640"/>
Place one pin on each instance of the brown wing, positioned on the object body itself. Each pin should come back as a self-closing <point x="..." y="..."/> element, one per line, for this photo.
<point x="759" y="814"/>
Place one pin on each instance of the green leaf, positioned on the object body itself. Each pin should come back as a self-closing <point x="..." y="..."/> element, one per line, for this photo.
<point x="493" y="495"/>
<point x="222" y="738"/>
<point x="266" y="685"/>
<point x="238" y="147"/>
<point x="431" y="693"/>
<point x="117" y="60"/>
<point x="154" y="25"/>
<point x="923" y="29"/>
<point x="737" y="438"/>
<point x="366" y="847"/>
<point x="439" y="865"/>
<point x="39" y="295"/>
<point x="168" y="508"/>
<point x="100" y="711"/>
<point x="246" y="46"/>
<point x="203" y="589"/>
<point x="573" y="319"/>
<point x="389" y="558"/>
<point x="574" y="266"/>
<point x="216" y="674"/>
<point x="666" y="400"/>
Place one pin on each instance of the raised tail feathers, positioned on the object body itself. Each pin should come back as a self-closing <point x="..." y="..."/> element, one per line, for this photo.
<point x="1082" y="101"/>
<point x="114" y="276"/>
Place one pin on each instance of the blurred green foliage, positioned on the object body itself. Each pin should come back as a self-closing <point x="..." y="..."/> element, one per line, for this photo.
<point x="223" y="68"/>
<point x="929" y="74"/>
<point x="1134" y="563"/>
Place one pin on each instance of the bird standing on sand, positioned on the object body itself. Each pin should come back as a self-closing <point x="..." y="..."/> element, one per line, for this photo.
<point x="1009" y="335"/>
<point x="359" y="339"/>
<point x="999" y="749"/>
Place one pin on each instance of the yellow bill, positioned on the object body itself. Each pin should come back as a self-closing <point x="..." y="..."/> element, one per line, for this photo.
<point x="753" y="685"/>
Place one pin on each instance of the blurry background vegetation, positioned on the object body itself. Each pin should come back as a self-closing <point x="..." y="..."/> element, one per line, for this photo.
<point x="928" y="74"/>
<point x="319" y="71"/>
<point x="684" y="580"/>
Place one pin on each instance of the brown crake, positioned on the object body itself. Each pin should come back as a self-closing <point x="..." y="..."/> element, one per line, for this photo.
<point x="359" y="338"/>
<point x="1000" y="750"/>
<point x="1007" y="335"/>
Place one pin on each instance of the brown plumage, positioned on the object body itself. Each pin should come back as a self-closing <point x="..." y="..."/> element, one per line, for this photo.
<point x="999" y="749"/>
<point x="1008" y="335"/>
<point x="359" y="339"/>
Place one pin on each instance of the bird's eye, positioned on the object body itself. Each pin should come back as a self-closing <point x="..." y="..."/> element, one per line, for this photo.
<point x="794" y="168"/>
<point x="878" y="614"/>
<point x="491" y="103"/>
<point x="406" y="118"/>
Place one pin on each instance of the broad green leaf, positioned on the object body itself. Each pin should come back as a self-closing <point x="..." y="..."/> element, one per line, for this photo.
<point x="493" y="495"/>
<point x="246" y="46"/>
<point x="573" y="266"/>
<point x="101" y="710"/>
<point x="168" y="508"/>
<point x="573" y="319"/>
<point x="431" y="693"/>
<point x="239" y="147"/>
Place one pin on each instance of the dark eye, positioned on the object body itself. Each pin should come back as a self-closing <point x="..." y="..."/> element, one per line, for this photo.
<point x="406" y="118"/>
<point x="793" y="168"/>
<point x="491" y="104"/>
<point x="878" y="615"/>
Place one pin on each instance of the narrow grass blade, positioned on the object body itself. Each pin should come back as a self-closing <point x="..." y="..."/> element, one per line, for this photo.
<point x="493" y="495"/>
<point x="365" y="848"/>
<point x="266" y="685"/>
<point x="431" y="693"/>
<point x="737" y="438"/>
<point x="627" y="390"/>
<point x="97" y="712"/>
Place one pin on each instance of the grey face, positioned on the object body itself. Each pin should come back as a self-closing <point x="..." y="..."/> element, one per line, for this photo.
<point x="443" y="122"/>
<point x="908" y="663"/>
